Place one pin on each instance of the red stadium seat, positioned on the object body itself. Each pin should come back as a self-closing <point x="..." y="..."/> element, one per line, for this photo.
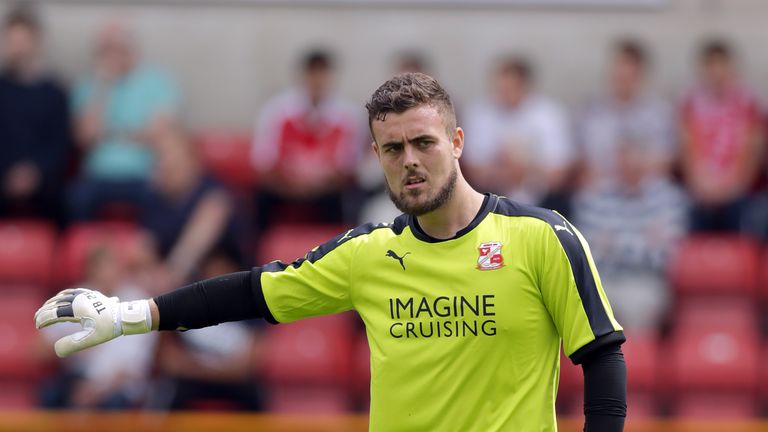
<point x="716" y="406"/>
<point x="361" y="375"/>
<point x="18" y="336"/>
<point x="80" y="239"/>
<point x="571" y="381"/>
<point x="18" y="395"/>
<point x="732" y="312"/>
<point x="227" y="155"/>
<point x="290" y="242"/>
<point x="25" y="289"/>
<point x="712" y="359"/>
<point x="641" y="352"/>
<point x="716" y="264"/>
<point x="308" y="400"/>
<point x="311" y="351"/>
<point x="26" y="252"/>
<point x="763" y="386"/>
<point x="308" y="365"/>
<point x="641" y="405"/>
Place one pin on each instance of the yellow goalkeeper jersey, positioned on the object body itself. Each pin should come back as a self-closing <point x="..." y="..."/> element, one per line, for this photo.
<point x="464" y="333"/>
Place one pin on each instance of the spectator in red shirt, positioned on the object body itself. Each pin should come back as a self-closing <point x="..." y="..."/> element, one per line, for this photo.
<point x="721" y="142"/>
<point x="306" y="146"/>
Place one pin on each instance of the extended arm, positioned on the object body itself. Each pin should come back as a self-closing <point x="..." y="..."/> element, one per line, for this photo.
<point x="317" y="284"/>
<point x="230" y="297"/>
<point x="605" y="390"/>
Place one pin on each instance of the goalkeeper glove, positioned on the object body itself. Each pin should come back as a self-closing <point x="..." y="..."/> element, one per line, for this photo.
<point x="102" y="318"/>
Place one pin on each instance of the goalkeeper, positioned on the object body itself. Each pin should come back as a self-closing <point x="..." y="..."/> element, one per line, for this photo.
<point x="466" y="297"/>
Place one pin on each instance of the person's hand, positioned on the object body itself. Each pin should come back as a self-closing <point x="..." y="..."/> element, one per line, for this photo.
<point x="102" y="318"/>
<point x="22" y="180"/>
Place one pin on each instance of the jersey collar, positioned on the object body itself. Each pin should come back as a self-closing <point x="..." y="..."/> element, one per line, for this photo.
<point x="489" y="202"/>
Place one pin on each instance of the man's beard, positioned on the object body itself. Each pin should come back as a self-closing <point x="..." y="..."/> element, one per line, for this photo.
<point x="418" y="209"/>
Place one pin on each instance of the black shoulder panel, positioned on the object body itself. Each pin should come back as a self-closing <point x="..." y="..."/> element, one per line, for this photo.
<point x="323" y="249"/>
<point x="582" y="272"/>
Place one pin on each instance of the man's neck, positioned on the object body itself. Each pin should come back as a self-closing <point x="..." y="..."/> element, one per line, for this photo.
<point x="455" y="214"/>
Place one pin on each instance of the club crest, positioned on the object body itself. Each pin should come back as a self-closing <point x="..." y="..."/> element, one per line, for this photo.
<point x="490" y="256"/>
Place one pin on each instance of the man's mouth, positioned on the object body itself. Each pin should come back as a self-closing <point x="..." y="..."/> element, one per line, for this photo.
<point x="413" y="182"/>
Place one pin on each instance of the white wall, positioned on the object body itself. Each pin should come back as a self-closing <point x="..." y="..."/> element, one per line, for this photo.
<point x="230" y="57"/>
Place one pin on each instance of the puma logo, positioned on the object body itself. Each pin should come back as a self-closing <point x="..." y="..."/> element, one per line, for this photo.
<point x="563" y="228"/>
<point x="345" y="236"/>
<point x="393" y="255"/>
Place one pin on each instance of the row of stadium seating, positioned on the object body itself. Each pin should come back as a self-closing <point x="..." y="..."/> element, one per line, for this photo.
<point x="316" y="365"/>
<point x="709" y="364"/>
<point x="321" y="365"/>
<point x="310" y="366"/>
<point x="700" y="372"/>
<point x="32" y="253"/>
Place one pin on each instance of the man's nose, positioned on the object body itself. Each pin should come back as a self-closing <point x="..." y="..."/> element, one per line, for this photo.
<point x="410" y="157"/>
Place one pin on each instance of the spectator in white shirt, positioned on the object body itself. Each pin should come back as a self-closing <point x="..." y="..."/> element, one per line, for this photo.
<point x="518" y="141"/>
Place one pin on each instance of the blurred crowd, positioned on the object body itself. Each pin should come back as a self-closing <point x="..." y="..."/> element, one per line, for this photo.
<point x="635" y="170"/>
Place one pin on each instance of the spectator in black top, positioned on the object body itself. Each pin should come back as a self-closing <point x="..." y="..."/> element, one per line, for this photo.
<point x="35" y="139"/>
<point x="188" y="213"/>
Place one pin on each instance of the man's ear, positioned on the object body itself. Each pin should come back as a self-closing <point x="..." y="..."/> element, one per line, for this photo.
<point x="375" y="148"/>
<point x="458" y="142"/>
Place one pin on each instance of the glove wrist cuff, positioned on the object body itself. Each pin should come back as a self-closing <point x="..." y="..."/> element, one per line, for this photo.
<point x="135" y="317"/>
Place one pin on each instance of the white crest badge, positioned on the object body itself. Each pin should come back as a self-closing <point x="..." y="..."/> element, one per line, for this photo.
<point x="490" y="256"/>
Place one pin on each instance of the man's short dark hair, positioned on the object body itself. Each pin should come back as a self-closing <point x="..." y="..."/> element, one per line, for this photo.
<point x="317" y="59"/>
<point x="410" y="90"/>
<point x="715" y="48"/>
<point x="517" y="66"/>
<point x="632" y="50"/>
<point x="22" y="16"/>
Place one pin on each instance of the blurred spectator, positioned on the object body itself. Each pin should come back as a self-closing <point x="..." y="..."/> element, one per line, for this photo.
<point x="35" y="141"/>
<point x="214" y="367"/>
<point x="626" y="109"/>
<point x="115" y="376"/>
<point x="722" y="141"/>
<point x="632" y="224"/>
<point x="518" y="142"/>
<point x="118" y="108"/>
<point x="188" y="213"/>
<point x="412" y="61"/>
<point x="306" y="146"/>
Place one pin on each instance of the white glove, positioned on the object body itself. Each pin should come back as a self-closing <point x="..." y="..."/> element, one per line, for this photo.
<point x="103" y="318"/>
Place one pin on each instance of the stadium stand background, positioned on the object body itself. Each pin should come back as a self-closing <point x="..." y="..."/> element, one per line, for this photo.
<point x="705" y="362"/>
